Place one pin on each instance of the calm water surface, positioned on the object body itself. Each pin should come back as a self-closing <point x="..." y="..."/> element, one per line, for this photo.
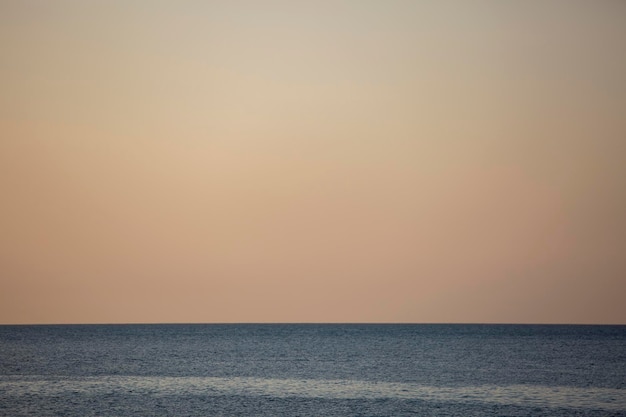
<point x="312" y="370"/>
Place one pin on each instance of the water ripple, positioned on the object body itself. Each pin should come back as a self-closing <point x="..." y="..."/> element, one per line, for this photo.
<point x="520" y="395"/>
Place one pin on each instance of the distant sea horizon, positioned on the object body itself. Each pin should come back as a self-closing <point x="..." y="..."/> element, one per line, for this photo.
<point x="312" y="369"/>
<point x="469" y="323"/>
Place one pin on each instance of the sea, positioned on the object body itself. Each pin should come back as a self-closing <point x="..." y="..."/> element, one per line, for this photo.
<point x="312" y="370"/>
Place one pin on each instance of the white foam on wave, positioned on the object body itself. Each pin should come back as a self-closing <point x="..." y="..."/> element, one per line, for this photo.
<point x="520" y="395"/>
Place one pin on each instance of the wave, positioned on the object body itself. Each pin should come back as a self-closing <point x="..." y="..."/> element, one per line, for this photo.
<point x="521" y="395"/>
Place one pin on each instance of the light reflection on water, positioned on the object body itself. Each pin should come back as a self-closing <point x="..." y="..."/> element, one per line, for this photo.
<point x="522" y="395"/>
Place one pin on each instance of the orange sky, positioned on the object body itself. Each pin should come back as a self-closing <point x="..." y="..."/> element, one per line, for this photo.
<point x="318" y="161"/>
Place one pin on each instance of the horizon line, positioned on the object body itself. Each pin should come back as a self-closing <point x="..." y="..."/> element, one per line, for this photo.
<point x="313" y="323"/>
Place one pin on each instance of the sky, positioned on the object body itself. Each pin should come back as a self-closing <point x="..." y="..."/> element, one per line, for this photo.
<point x="312" y="161"/>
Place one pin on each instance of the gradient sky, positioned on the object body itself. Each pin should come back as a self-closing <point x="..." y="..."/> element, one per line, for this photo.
<point x="314" y="161"/>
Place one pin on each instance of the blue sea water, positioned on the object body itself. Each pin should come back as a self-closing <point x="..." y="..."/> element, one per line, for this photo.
<point x="312" y="370"/>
